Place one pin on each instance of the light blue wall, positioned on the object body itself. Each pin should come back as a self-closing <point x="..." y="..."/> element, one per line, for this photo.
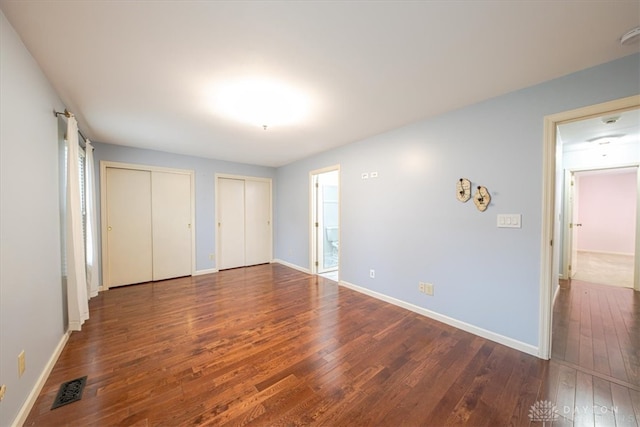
<point x="407" y="224"/>
<point x="31" y="294"/>
<point x="205" y="170"/>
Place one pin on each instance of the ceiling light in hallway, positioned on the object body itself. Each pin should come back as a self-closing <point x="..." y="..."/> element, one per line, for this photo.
<point x="630" y="36"/>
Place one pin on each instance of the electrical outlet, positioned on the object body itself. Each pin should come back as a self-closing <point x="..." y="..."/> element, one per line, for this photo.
<point x="428" y="288"/>
<point x="372" y="274"/>
<point x="21" y="363"/>
<point x="3" y="390"/>
<point x="212" y="257"/>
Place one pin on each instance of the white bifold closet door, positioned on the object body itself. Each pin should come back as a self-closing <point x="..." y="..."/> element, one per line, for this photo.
<point x="244" y="222"/>
<point x="149" y="232"/>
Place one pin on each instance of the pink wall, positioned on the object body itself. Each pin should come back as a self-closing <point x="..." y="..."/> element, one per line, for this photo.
<point x="607" y="212"/>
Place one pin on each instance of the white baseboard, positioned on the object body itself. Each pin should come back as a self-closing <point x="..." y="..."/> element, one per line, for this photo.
<point x="555" y="295"/>
<point x="207" y="271"/>
<point x="42" y="379"/>
<point x="606" y="252"/>
<point x="75" y="326"/>
<point x="501" y="339"/>
<point x="295" y="267"/>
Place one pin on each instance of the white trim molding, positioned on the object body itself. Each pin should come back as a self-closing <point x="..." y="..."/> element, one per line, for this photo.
<point x="548" y="264"/>
<point x="288" y="264"/>
<point x="475" y="330"/>
<point x="205" y="271"/>
<point x="42" y="379"/>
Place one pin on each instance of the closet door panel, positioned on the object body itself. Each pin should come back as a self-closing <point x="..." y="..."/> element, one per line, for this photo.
<point x="257" y="222"/>
<point x="231" y="229"/>
<point x="171" y="219"/>
<point x="129" y="226"/>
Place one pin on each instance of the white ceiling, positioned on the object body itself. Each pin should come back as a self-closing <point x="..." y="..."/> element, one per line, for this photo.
<point x="581" y="135"/>
<point x="138" y="73"/>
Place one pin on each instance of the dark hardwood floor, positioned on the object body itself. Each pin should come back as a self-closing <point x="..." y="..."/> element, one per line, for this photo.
<point x="597" y="328"/>
<point x="596" y="353"/>
<point x="268" y="345"/>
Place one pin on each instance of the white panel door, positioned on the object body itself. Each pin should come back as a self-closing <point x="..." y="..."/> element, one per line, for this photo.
<point x="171" y="218"/>
<point x="257" y="222"/>
<point x="129" y="226"/>
<point x="573" y="227"/>
<point x="231" y="210"/>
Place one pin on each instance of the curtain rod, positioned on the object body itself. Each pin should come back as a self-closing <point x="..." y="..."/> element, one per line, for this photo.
<point x="68" y="114"/>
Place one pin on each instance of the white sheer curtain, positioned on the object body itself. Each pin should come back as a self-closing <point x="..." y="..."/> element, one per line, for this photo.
<point x="91" y="223"/>
<point x="77" y="304"/>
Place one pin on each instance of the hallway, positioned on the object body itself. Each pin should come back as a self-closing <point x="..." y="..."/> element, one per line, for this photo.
<point x="596" y="350"/>
<point x="605" y="269"/>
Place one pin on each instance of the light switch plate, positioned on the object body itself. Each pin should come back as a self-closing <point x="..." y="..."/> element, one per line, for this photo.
<point x="509" y="221"/>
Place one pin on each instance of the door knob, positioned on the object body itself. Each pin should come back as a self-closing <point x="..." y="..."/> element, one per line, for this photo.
<point x="110" y="228"/>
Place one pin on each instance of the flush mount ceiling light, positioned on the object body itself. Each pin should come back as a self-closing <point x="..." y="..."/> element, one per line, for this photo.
<point x="630" y="36"/>
<point x="610" y="120"/>
<point x="603" y="140"/>
<point x="261" y="102"/>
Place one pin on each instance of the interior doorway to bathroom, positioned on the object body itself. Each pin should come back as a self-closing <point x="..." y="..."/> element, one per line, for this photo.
<point x="325" y="222"/>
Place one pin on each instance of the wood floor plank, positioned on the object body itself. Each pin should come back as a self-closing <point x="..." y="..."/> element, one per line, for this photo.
<point x="600" y="358"/>
<point x="622" y="408"/>
<point x="573" y="331"/>
<point x="566" y="394"/>
<point x="585" y="357"/>
<point x="603" y="403"/>
<point x="635" y="402"/>
<point x="530" y="391"/>
<point x="583" y="409"/>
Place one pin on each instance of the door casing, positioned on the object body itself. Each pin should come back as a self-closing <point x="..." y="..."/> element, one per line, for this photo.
<point x="313" y="218"/>
<point x="549" y="264"/>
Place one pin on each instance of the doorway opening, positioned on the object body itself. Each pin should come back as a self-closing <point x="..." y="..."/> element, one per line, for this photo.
<point x="600" y="225"/>
<point x="554" y="162"/>
<point x="325" y="222"/>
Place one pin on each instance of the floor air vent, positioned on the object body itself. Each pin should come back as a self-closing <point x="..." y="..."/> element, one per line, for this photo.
<point x="69" y="392"/>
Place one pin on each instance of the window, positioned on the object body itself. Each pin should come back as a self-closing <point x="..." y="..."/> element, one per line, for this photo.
<point x="63" y="200"/>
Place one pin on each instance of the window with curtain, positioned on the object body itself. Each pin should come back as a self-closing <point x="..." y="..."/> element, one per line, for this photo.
<point x="63" y="200"/>
<point x="83" y="202"/>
